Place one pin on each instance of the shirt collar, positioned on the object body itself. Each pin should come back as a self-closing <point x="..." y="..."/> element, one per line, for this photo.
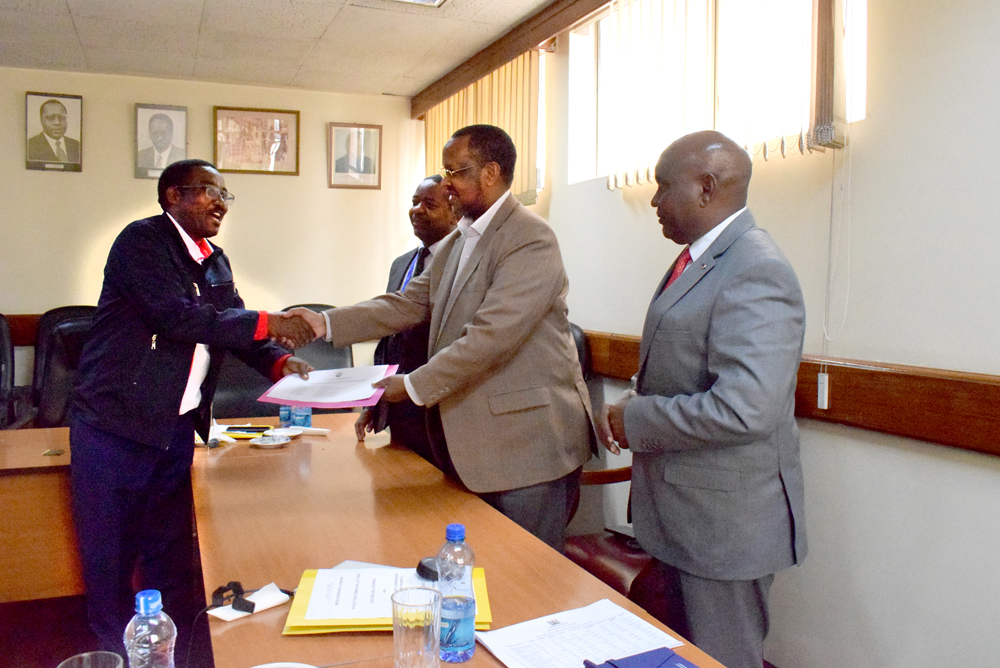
<point x="476" y="228"/>
<point x="199" y="252"/>
<point x="701" y="244"/>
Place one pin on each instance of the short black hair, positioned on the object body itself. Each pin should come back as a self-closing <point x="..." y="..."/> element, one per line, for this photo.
<point x="162" y="117"/>
<point x="491" y="144"/>
<point x="436" y="178"/>
<point x="178" y="174"/>
<point x="48" y="102"/>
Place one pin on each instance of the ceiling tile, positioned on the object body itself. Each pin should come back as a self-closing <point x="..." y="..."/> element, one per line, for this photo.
<point x="365" y="27"/>
<point x="220" y="45"/>
<point x="276" y="18"/>
<point x="177" y="13"/>
<point x="134" y="36"/>
<point x="44" y="6"/>
<point x="455" y="9"/>
<point x="67" y="56"/>
<point x="262" y="71"/>
<point x="36" y="28"/>
<point x="508" y="13"/>
<point x="141" y="63"/>
<point x="343" y="81"/>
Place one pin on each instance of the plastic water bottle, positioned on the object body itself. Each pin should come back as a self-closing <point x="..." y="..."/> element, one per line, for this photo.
<point x="302" y="416"/>
<point x="285" y="415"/>
<point x="149" y="637"/>
<point x="458" y="600"/>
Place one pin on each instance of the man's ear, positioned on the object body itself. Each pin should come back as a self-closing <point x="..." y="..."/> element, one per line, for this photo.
<point x="491" y="173"/>
<point x="709" y="186"/>
<point x="173" y="195"/>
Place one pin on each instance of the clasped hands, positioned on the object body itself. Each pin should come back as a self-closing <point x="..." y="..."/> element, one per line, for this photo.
<point x="295" y="328"/>
<point x="610" y="425"/>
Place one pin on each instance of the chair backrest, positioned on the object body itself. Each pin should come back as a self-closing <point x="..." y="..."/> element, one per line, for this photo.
<point x="321" y="354"/>
<point x="238" y="389"/>
<point x="46" y="323"/>
<point x="64" y="345"/>
<point x="6" y="374"/>
<point x="582" y="348"/>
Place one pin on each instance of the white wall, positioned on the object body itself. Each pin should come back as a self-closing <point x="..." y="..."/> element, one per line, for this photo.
<point x="902" y="570"/>
<point x="290" y="238"/>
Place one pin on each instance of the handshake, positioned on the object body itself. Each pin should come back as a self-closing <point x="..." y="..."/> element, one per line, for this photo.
<point x="295" y="328"/>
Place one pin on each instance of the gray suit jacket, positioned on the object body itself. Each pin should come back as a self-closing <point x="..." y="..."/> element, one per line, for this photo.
<point x="502" y="363"/>
<point x="717" y="483"/>
<point x="146" y="157"/>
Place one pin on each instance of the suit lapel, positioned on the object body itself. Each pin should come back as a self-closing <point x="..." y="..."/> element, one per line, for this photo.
<point x="472" y="264"/>
<point x="399" y="270"/>
<point x="698" y="269"/>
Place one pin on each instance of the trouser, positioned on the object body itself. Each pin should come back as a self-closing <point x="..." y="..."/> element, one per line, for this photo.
<point x="727" y="619"/>
<point x="132" y="506"/>
<point x="543" y="509"/>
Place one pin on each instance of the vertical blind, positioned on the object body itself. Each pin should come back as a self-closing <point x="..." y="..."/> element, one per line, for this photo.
<point x="507" y="98"/>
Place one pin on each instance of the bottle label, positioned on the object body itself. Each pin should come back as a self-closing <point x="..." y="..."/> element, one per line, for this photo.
<point x="458" y="628"/>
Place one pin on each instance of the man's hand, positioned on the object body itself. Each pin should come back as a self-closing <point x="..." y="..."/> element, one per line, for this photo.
<point x="297" y="365"/>
<point x="610" y="425"/>
<point x="395" y="389"/>
<point x="292" y="332"/>
<point x="365" y="422"/>
<point x="315" y="320"/>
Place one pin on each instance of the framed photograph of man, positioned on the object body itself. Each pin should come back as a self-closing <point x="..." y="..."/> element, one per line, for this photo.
<point x="160" y="138"/>
<point x="354" y="155"/>
<point x="257" y="141"/>
<point x="53" y="132"/>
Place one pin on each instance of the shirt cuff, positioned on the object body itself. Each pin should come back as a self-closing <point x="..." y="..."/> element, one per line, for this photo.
<point x="278" y="367"/>
<point x="329" y="334"/>
<point x="261" y="332"/>
<point x="414" y="397"/>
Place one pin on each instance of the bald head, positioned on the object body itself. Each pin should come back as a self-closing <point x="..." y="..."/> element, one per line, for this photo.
<point x="702" y="179"/>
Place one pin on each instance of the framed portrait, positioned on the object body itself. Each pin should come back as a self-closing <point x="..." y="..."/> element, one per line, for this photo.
<point x="53" y="132"/>
<point x="354" y="155"/>
<point x="257" y="141"/>
<point x="160" y="138"/>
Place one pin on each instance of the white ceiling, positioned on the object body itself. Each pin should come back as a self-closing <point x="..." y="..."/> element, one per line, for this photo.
<point x="348" y="46"/>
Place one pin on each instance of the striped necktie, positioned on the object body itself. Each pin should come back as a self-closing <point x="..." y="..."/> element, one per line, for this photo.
<point x="683" y="260"/>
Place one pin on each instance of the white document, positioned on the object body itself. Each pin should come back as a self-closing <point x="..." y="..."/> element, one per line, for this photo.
<point x="597" y="632"/>
<point x="264" y="598"/>
<point x="330" y="385"/>
<point x="358" y="593"/>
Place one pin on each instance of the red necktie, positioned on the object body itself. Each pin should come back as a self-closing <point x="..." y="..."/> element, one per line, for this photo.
<point x="683" y="260"/>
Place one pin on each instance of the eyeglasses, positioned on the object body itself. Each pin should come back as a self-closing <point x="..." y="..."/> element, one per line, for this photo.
<point x="214" y="193"/>
<point x="449" y="174"/>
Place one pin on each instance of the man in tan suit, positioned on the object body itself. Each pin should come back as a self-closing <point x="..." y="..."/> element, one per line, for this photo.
<point x="503" y="372"/>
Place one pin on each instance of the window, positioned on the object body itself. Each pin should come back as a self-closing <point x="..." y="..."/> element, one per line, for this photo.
<point x="644" y="72"/>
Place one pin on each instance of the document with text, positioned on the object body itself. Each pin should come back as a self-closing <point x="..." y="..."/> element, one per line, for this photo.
<point x="331" y="388"/>
<point x="597" y="632"/>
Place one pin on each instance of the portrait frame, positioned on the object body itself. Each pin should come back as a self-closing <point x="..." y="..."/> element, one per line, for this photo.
<point x="38" y="151"/>
<point x="256" y="141"/>
<point x="354" y="156"/>
<point x="145" y="151"/>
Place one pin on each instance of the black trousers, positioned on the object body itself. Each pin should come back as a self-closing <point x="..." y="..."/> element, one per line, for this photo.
<point x="133" y="511"/>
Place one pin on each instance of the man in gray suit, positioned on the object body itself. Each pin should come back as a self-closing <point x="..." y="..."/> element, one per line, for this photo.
<point x="716" y="479"/>
<point x="502" y="374"/>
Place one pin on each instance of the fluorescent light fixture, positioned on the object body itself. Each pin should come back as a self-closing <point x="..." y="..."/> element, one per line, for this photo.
<point x="425" y="3"/>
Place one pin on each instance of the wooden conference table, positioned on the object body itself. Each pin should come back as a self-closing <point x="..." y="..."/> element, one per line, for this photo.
<point x="267" y="515"/>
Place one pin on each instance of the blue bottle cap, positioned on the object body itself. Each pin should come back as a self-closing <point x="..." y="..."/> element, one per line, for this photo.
<point x="148" y="602"/>
<point x="455" y="532"/>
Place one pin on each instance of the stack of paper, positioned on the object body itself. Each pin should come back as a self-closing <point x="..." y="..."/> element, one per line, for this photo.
<point x="359" y="599"/>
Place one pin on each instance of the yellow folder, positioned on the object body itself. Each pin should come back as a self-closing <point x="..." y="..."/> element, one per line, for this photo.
<point x="297" y="624"/>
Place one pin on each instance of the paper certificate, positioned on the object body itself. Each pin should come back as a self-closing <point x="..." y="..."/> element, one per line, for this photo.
<point x="330" y="388"/>
<point x="349" y="593"/>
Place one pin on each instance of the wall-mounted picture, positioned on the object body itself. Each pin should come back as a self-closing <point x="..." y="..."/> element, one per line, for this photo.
<point x="257" y="141"/>
<point x="160" y="138"/>
<point x="53" y="135"/>
<point x="355" y="155"/>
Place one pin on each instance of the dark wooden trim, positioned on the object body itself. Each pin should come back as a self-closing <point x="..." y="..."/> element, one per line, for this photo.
<point x="946" y="407"/>
<point x="23" y="329"/>
<point x="547" y="23"/>
<point x="951" y="408"/>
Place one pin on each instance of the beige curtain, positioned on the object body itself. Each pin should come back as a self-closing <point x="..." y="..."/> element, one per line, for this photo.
<point x="507" y="98"/>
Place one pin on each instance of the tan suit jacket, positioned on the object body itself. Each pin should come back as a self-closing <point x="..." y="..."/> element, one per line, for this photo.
<point x="503" y="366"/>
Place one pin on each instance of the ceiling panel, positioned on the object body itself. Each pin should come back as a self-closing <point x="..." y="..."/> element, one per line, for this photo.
<point x="350" y="46"/>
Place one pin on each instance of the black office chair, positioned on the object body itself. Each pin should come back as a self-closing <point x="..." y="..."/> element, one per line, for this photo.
<point x="238" y="389"/>
<point x="63" y="347"/>
<point x="6" y="374"/>
<point x="46" y="323"/>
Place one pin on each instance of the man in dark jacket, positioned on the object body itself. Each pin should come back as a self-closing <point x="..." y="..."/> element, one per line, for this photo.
<point x="168" y="313"/>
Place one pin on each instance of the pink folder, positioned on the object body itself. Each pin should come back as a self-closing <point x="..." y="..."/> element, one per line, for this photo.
<point x="371" y="401"/>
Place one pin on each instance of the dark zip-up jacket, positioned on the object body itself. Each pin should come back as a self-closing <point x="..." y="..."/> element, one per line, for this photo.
<point x="156" y="304"/>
